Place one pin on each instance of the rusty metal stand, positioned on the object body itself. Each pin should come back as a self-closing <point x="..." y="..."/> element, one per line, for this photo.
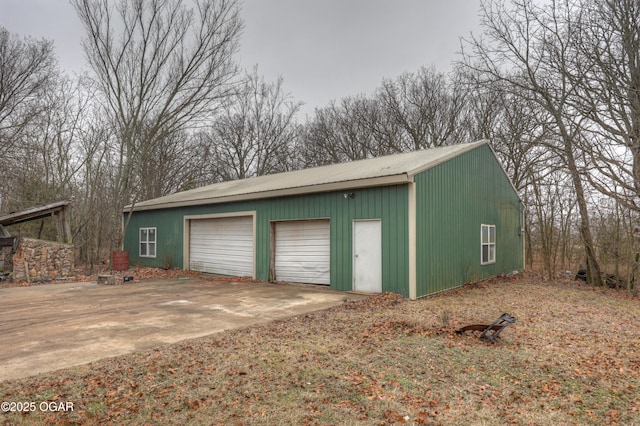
<point x="490" y="332"/>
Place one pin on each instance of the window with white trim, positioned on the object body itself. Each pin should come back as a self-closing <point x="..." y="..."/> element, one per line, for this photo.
<point x="488" y="244"/>
<point x="147" y="242"/>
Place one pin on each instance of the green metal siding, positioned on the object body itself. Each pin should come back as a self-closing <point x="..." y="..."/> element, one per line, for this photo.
<point x="388" y="203"/>
<point x="452" y="201"/>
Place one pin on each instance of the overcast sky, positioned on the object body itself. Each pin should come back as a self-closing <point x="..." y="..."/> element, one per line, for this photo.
<point x="324" y="49"/>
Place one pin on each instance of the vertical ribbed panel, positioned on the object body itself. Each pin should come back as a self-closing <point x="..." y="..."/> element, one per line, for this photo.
<point x="303" y="251"/>
<point x="452" y="201"/>
<point x="387" y="203"/>
<point x="222" y="246"/>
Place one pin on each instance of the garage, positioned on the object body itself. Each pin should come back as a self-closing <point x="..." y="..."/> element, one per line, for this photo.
<point x="407" y="223"/>
<point x="302" y="251"/>
<point x="222" y="246"/>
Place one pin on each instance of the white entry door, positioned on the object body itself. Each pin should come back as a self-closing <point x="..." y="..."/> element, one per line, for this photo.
<point x="367" y="256"/>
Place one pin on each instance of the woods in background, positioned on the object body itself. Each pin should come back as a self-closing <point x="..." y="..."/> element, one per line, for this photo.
<point x="163" y="108"/>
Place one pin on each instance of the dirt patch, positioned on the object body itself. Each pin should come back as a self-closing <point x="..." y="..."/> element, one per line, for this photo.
<point x="572" y="358"/>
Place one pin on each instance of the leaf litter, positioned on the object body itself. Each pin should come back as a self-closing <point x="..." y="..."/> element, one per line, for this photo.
<point x="572" y="358"/>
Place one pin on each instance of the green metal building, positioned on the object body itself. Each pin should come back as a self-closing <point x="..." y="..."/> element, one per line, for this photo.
<point x="413" y="224"/>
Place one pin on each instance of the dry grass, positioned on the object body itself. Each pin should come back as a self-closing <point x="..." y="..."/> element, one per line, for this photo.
<point x="572" y="358"/>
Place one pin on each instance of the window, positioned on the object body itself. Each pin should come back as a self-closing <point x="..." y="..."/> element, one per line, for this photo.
<point x="488" y="243"/>
<point x="147" y="242"/>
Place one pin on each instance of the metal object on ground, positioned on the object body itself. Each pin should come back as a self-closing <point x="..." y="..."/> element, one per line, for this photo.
<point x="490" y="332"/>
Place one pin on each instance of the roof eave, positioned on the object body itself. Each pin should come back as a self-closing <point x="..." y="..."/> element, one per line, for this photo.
<point x="396" y="179"/>
<point x="465" y="148"/>
<point x="33" y="213"/>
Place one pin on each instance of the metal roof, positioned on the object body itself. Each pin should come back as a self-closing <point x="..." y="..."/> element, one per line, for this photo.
<point x="34" y="213"/>
<point x="387" y="170"/>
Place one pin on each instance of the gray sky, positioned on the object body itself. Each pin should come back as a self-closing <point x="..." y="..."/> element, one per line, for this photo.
<point x="324" y="49"/>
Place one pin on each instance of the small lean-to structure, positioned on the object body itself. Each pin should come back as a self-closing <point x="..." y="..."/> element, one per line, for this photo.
<point x="30" y="259"/>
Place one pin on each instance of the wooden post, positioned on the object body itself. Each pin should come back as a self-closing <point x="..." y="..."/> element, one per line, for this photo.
<point x="66" y="223"/>
<point x="59" y="226"/>
<point x="63" y="225"/>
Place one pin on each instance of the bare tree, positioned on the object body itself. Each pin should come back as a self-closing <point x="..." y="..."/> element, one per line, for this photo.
<point x="257" y="133"/>
<point x="415" y="111"/>
<point x="508" y="120"/>
<point x="95" y="224"/>
<point x="607" y="73"/>
<point x="551" y="204"/>
<point x="45" y="159"/>
<point x="27" y="69"/>
<point x="176" y="162"/>
<point x="353" y="129"/>
<point x="160" y="68"/>
<point x="426" y="106"/>
<point x="527" y="46"/>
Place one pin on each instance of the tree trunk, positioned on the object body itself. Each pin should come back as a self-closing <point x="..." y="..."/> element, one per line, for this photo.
<point x="594" y="275"/>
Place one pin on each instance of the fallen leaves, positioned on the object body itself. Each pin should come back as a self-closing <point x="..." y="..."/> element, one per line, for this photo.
<point x="571" y="358"/>
<point x="139" y="273"/>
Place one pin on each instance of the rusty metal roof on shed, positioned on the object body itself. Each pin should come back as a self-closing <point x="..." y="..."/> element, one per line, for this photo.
<point x="386" y="170"/>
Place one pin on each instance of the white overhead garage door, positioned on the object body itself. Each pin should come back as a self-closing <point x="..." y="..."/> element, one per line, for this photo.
<point x="222" y="246"/>
<point x="302" y="251"/>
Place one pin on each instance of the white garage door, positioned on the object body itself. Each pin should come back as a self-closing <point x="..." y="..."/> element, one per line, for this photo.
<point x="222" y="246"/>
<point x="302" y="251"/>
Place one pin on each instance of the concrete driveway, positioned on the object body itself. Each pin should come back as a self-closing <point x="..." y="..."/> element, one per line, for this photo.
<point x="49" y="327"/>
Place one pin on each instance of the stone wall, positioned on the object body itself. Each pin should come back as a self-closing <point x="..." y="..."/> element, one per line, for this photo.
<point x="38" y="260"/>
